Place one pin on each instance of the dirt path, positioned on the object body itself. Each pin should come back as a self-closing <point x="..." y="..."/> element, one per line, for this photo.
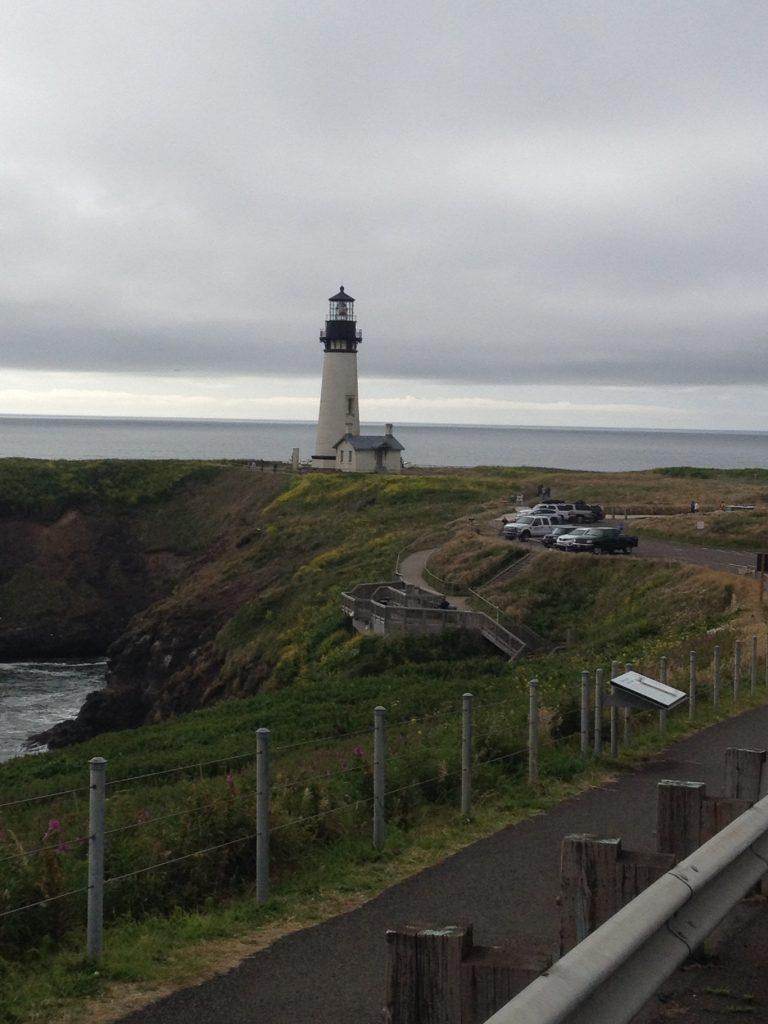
<point x="505" y="884"/>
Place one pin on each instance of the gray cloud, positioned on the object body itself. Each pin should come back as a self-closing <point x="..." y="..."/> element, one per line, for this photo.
<point x="520" y="192"/>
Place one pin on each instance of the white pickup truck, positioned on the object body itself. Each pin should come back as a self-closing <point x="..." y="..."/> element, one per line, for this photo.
<point x="527" y="526"/>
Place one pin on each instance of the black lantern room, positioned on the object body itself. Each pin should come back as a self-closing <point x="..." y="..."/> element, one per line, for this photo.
<point x="341" y="334"/>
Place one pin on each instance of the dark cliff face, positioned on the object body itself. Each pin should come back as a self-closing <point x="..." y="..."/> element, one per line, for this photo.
<point x="151" y="588"/>
<point x="68" y="588"/>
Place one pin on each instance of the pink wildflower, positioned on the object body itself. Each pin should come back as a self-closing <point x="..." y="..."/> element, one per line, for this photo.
<point x="54" y="826"/>
<point x="231" y="782"/>
<point x="63" y="848"/>
<point x="358" y="752"/>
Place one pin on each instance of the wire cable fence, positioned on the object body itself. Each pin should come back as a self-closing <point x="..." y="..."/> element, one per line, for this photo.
<point x="377" y="779"/>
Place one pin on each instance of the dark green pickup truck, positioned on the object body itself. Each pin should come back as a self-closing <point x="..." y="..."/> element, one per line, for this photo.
<point x="603" y="540"/>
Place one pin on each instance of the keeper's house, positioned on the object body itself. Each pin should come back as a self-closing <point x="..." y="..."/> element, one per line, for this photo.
<point x="369" y="453"/>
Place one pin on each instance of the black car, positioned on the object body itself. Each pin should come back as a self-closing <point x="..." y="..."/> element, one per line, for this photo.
<point x="604" y="540"/>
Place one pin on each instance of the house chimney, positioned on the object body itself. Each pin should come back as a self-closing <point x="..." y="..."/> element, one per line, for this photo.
<point x="388" y="429"/>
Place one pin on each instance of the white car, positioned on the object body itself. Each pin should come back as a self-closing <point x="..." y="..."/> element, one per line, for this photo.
<point x="525" y="527"/>
<point x="552" y="511"/>
<point x="569" y="539"/>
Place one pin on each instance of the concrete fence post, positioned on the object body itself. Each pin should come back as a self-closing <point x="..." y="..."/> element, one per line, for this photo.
<point x="615" y="671"/>
<point x="692" y="687"/>
<point x="663" y="679"/>
<point x="716" y="677"/>
<point x="627" y="713"/>
<point x="598" y="748"/>
<point x="753" y="668"/>
<point x="533" y="731"/>
<point x="96" y="816"/>
<point x="379" y="775"/>
<point x="584" y="714"/>
<point x="466" y="754"/>
<point x="262" y="815"/>
<point x="736" y="669"/>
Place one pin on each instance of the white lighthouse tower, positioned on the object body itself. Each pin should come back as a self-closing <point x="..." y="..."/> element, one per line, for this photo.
<point x="339" y="411"/>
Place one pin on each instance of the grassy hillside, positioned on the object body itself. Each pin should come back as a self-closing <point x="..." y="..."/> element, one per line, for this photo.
<point x="257" y="615"/>
<point x="747" y="530"/>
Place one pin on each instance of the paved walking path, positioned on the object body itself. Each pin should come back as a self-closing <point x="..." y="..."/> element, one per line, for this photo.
<point x="412" y="571"/>
<point x="505" y="885"/>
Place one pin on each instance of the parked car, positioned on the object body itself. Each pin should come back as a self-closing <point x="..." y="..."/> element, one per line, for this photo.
<point x="597" y="510"/>
<point x="549" y="539"/>
<point x="525" y="527"/>
<point x="566" y="540"/>
<point x="542" y="510"/>
<point x="577" y="512"/>
<point x="604" y="541"/>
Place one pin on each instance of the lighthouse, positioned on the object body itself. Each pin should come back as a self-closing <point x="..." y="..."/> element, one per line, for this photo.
<point x="339" y="411"/>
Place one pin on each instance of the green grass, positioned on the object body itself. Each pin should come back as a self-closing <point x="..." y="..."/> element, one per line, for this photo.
<point x="46" y="488"/>
<point x="262" y="603"/>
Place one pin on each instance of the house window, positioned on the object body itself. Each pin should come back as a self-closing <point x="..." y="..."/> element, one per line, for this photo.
<point x="350" y="456"/>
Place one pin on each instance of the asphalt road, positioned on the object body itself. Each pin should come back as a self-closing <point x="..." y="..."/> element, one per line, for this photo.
<point x="505" y="885"/>
<point x="712" y="558"/>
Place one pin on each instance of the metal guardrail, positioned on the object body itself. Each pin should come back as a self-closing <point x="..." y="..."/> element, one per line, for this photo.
<point x="609" y="976"/>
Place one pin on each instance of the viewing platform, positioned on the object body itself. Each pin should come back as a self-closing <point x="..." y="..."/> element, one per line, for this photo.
<point x="397" y="607"/>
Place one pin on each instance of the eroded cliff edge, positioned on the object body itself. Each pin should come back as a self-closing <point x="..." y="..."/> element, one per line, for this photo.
<point x="125" y="560"/>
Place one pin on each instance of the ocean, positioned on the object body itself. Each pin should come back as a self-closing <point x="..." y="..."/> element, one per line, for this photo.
<point x="610" y="450"/>
<point x="34" y="695"/>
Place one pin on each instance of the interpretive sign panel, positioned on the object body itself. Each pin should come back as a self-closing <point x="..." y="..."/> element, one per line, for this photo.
<point x="633" y="690"/>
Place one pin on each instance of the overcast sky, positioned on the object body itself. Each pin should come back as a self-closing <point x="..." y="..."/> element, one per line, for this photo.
<point x="549" y="212"/>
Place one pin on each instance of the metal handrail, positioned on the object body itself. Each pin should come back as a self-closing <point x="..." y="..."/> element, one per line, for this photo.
<point x="607" y="978"/>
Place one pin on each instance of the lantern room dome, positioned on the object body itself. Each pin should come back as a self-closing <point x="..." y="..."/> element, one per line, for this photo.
<point x="341" y="296"/>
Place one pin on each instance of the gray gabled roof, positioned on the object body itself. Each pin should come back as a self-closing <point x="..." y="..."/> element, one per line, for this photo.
<point x="370" y="442"/>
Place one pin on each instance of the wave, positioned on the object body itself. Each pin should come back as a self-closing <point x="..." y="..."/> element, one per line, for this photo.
<point x="32" y="665"/>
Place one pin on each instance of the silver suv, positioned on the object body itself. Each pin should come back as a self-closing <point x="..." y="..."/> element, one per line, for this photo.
<point x="525" y="527"/>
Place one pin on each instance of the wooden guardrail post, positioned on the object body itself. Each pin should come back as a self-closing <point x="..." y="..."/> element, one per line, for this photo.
<point x="437" y="976"/>
<point x="597" y="878"/>
<point x="663" y="679"/>
<point x="687" y="817"/>
<point x="679" y="817"/>
<point x="744" y="773"/>
<point x="424" y="978"/>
